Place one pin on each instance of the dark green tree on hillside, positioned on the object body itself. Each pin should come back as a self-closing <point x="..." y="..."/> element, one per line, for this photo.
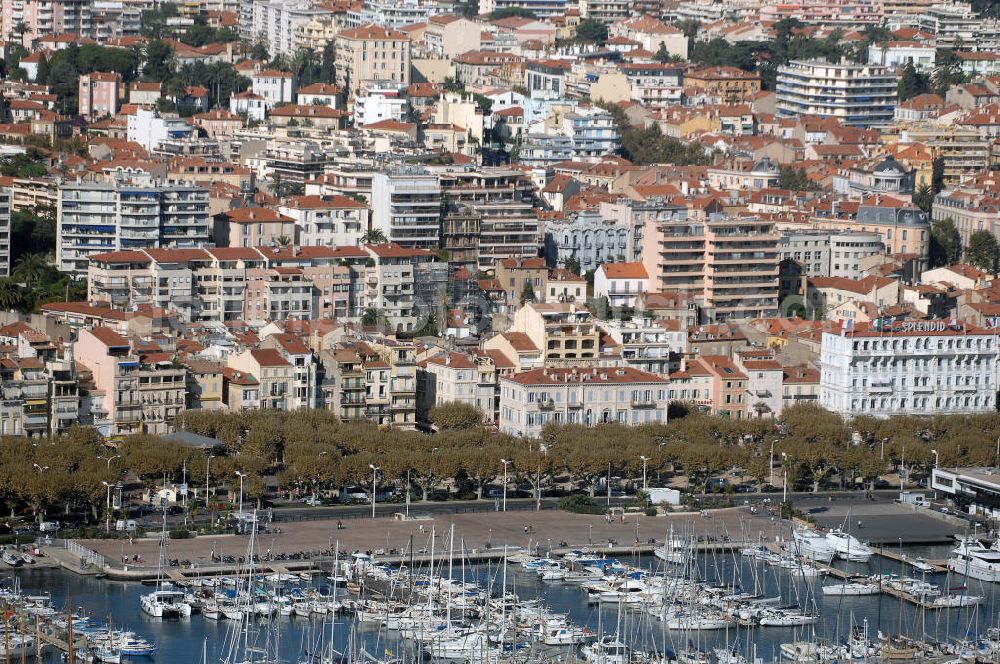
<point x="911" y="83"/>
<point x="983" y="251"/>
<point x="689" y="27"/>
<point x="923" y="198"/>
<point x="159" y="61"/>
<point x="945" y="243"/>
<point x="796" y="179"/>
<point x="507" y="12"/>
<point x="591" y="31"/>
<point x="937" y="175"/>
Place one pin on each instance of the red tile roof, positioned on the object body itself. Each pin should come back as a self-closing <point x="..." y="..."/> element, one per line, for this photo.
<point x="269" y="357"/>
<point x="625" y="271"/>
<point x="109" y="337"/>
<point x="602" y="376"/>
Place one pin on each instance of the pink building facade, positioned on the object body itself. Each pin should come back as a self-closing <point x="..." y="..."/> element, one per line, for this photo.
<point x="98" y="94"/>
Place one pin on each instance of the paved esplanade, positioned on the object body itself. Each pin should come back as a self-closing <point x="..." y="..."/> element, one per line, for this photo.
<point x="545" y="528"/>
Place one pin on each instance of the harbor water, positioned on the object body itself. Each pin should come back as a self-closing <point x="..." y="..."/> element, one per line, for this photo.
<point x="190" y="639"/>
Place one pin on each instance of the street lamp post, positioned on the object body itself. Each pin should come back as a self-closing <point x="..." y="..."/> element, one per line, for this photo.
<point x="107" y="509"/>
<point x="505" y="464"/>
<point x="241" y="476"/>
<point x="40" y="469"/>
<point x="375" y="470"/>
<point x="935" y="453"/>
<point x="784" y="481"/>
<point x="208" y="468"/>
<point x="109" y="459"/>
<point x="770" y="466"/>
<point x="644" y="460"/>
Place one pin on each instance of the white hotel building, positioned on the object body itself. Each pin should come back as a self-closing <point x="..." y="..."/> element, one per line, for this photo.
<point x="862" y="95"/>
<point x="530" y="399"/>
<point x="917" y="367"/>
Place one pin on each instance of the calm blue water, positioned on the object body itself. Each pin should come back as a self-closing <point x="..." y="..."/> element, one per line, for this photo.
<point x="182" y="640"/>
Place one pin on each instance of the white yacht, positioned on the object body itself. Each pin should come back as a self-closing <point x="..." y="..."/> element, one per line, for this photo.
<point x="852" y="588"/>
<point x="848" y="547"/>
<point x="674" y="549"/>
<point x="970" y="558"/>
<point x="606" y="651"/>
<point x="165" y="603"/>
<point x="812" y="544"/>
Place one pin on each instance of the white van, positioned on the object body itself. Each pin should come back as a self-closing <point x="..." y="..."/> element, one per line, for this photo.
<point x="126" y="525"/>
<point x="49" y="526"/>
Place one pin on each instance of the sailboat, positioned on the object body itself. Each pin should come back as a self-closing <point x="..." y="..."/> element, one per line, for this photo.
<point x="165" y="601"/>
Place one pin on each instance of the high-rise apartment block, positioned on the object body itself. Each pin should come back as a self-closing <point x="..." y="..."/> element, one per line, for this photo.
<point x="863" y="95"/>
<point x="94" y="218"/>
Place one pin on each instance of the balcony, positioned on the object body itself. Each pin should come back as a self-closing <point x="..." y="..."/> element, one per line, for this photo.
<point x="546" y="405"/>
<point x="643" y="402"/>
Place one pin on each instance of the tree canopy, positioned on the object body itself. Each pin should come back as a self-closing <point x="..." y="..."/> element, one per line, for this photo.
<point x="945" y="243"/>
<point x="983" y="251"/>
<point x="591" y="31"/>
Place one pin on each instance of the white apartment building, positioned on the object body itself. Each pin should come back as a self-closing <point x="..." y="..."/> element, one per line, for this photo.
<point x="929" y="367"/>
<point x="94" y="218"/>
<point x="397" y="13"/>
<point x="380" y="104"/>
<point x="392" y="285"/>
<point x="896" y="54"/>
<point x="593" y="131"/>
<point x="951" y="24"/>
<point x="530" y="399"/>
<point x="148" y="129"/>
<point x="247" y="102"/>
<point x="276" y="87"/>
<point x="650" y="345"/>
<point x="332" y="221"/>
<point x="276" y="23"/>
<point x="406" y="206"/>
<point x="540" y="8"/>
<point x="826" y="253"/>
<point x="863" y="95"/>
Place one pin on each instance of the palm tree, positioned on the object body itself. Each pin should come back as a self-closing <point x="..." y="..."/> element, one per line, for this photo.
<point x="30" y="268"/>
<point x="373" y="316"/>
<point x="284" y="240"/>
<point x="374" y="236"/>
<point x="10" y="294"/>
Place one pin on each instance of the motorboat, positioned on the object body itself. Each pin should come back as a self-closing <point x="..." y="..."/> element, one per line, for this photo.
<point x="848" y="547"/>
<point x="210" y="609"/>
<point x="565" y="635"/>
<point x="135" y="647"/>
<point x="607" y="650"/>
<point x="811" y="651"/>
<point x="12" y="558"/>
<point x="970" y="558"/>
<point x="164" y="603"/>
<point x="780" y="618"/>
<point x="813" y="545"/>
<point x="674" y="550"/>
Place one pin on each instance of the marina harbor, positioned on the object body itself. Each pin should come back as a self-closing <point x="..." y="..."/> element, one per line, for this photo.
<point x="723" y="587"/>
